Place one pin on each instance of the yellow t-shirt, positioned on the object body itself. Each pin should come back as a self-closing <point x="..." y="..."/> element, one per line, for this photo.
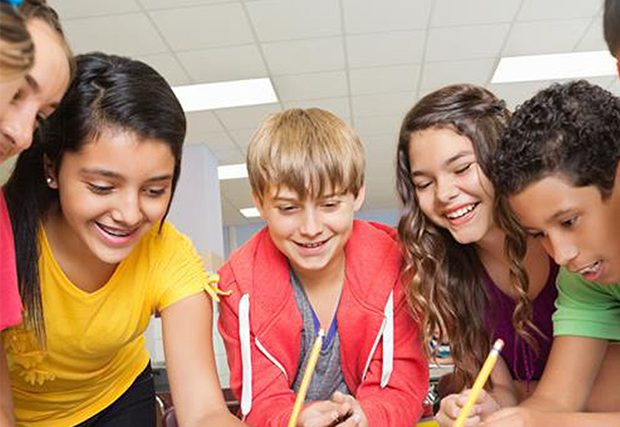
<point x="95" y="343"/>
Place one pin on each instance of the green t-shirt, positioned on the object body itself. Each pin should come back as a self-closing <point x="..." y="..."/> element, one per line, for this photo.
<point x="586" y="308"/>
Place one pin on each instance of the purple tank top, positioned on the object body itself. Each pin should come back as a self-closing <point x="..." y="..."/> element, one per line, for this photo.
<point x="523" y="362"/>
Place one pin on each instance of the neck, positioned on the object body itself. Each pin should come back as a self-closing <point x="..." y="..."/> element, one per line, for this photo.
<point x="331" y="274"/>
<point x="491" y="246"/>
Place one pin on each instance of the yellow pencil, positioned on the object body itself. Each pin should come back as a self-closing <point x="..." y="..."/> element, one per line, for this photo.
<point x="479" y="383"/>
<point x="305" y="381"/>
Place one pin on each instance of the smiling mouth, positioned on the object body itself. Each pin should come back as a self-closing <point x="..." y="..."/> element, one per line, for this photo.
<point x="312" y="245"/>
<point x="590" y="269"/>
<point x="461" y="212"/>
<point x="116" y="232"/>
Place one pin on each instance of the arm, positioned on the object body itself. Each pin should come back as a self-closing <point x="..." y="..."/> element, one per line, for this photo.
<point x="195" y="387"/>
<point x="400" y="402"/>
<point x="7" y="418"/>
<point x="562" y="394"/>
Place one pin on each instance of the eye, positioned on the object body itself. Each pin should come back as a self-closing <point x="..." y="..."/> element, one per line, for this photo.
<point x="287" y="209"/>
<point x="155" y="191"/>
<point x="421" y="185"/>
<point x="18" y="95"/>
<point x="100" y="189"/>
<point x="570" y="222"/>
<point x="331" y="204"/>
<point x="463" y="168"/>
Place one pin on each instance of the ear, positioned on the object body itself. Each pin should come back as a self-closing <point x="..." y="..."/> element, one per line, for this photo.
<point x="359" y="200"/>
<point x="259" y="206"/>
<point x="50" y="173"/>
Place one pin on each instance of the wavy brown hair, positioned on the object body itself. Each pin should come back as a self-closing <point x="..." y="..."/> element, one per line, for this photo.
<point x="17" y="52"/>
<point x="445" y="278"/>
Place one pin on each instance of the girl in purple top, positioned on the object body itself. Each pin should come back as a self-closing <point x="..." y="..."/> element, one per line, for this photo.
<point x="462" y="285"/>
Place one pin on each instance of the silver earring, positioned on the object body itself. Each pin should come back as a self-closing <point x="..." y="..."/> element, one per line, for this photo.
<point x="49" y="180"/>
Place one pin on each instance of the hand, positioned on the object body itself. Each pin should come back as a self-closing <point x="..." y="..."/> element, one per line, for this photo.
<point x="451" y="406"/>
<point x="514" y="417"/>
<point x="323" y="413"/>
<point x="357" y="417"/>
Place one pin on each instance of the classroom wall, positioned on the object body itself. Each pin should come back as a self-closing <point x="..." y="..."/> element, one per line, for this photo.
<point x="196" y="212"/>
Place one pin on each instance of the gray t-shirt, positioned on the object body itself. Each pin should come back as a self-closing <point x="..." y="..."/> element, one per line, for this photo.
<point x="327" y="376"/>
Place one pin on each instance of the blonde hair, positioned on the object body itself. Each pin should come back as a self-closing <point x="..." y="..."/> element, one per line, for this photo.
<point x="310" y="151"/>
<point x="17" y="50"/>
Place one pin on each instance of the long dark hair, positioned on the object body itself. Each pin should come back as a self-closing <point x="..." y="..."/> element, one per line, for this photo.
<point x="108" y="92"/>
<point x="445" y="285"/>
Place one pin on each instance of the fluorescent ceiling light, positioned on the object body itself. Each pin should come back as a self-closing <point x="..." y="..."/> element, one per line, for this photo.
<point x="553" y="67"/>
<point x="232" y="171"/>
<point x="237" y="93"/>
<point x="250" y="212"/>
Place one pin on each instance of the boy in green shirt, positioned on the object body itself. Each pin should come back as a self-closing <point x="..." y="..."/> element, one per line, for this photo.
<point x="557" y="167"/>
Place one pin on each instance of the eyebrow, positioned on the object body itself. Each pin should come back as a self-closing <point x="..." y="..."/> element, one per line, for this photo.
<point x="32" y="83"/>
<point x="559" y="214"/>
<point x="451" y="160"/>
<point x="114" y="175"/>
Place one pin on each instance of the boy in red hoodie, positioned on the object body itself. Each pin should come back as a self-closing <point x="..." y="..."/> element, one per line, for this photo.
<point x="314" y="267"/>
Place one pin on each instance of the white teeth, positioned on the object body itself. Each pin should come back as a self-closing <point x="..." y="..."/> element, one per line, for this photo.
<point x="115" y="233"/>
<point x="311" y="245"/>
<point x="460" y="212"/>
<point x="591" y="269"/>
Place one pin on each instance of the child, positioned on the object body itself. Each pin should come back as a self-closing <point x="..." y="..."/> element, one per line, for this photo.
<point x="313" y="266"/>
<point x="557" y="165"/>
<point x="96" y="259"/>
<point x="463" y="283"/>
<point x="16" y="60"/>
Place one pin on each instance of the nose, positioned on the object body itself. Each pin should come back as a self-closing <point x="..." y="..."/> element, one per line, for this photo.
<point x="18" y="126"/>
<point x="446" y="189"/>
<point x="311" y="225"/>
<point x="562" y="250"/>
<point x="128" y="210"/>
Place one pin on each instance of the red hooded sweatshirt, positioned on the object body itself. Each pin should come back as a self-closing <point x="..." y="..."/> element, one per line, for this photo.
<point x="381" y="356"/>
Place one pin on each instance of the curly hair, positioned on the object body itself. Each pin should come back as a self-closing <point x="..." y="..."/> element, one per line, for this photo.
<point x="571" y="129"/>
<point x="445" y="286"/>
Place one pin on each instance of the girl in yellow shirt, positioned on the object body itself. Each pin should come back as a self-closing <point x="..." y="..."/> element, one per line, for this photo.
<point x="96" y="259"/>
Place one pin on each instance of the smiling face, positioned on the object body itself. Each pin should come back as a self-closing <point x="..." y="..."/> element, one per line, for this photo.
<point x="112" y="192"/>
<point x="576" y="226"/>
<point x="40" y="93"/>
<point x="311" y="233"/>
<point x="451" y="189"/>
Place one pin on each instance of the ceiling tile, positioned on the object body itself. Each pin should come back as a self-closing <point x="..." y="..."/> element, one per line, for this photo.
<point x="242" y="136"/>
<point x="365" y="81"/>
<point x="229" y="157"/>
<point x="231" y="215"/>
<point x="439" y="74"/>
<point x="474" y="42"/>
<point x="593" y="39"/>
<point x="68" y="9"/>
<point x="385" y="15"/>
<point x="168" y="66"/>
<point x="204" y="27"/>
<point x="386" y="104"/>
<point x="459" y="12"/>
<point x="167" y="4"/>
<point x="200" y="123"/>
<point x="294" y="19"/>
<point x="246" y="117"/>
<point x="219" y="141"/>
<point x="532" y="38"/>
<point x="377" y="125"/>
<point x="89" y="34"/>
<point x="304" y="56"/>
<point x="311" y="86"/>
<point x="369" y="50"/>
<point x="338" y="106"/>
<point x="238" y="192"/>
<point x="222" y="64"/>
<point x="534" y="10"/>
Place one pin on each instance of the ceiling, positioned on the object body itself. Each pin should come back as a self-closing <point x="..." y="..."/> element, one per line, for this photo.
<point x="368" y="61"/>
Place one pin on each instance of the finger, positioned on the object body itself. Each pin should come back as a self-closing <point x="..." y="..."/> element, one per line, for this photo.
<point x="321" y="419"/>
<point x="472" y="421"/>
<point x="353" y="421"/>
